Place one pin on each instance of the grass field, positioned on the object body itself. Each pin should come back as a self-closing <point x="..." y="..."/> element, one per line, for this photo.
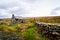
<point x="46" y="19"/>
<point x="27" y="31"/>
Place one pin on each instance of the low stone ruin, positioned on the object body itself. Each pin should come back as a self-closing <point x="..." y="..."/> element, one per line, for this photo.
<point x="51" y="31"/>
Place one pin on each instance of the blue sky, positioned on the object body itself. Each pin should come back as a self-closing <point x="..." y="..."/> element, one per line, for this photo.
<point x="29" y="8"/>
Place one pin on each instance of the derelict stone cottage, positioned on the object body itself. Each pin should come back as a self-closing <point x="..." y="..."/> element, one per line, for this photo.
<point x="16" y="19"/>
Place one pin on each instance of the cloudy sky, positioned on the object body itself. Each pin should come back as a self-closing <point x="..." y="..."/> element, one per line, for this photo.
<point x="29" y="8"/>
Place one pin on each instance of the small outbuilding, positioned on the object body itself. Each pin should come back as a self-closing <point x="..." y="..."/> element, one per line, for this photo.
<point x="16" y="19"/>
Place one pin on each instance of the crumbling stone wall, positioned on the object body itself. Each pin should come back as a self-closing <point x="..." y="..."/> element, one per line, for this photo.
<point x="51" y="31"/>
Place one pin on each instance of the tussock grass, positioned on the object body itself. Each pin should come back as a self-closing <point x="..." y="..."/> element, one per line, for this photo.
<point x="27" y="30"/>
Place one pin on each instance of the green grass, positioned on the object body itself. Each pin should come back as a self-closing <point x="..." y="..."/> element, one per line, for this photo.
<point x="29" y="33"/>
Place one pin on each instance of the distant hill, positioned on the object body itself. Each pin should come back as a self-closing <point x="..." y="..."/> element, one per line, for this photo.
<point x="52" y="19"/>
<point x="47" y="19"/>
<point x="5" y="20"/>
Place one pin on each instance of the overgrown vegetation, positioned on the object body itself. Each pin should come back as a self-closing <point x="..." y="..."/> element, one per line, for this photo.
<point x="23" y="31"/>
<point x="48" y="19"/>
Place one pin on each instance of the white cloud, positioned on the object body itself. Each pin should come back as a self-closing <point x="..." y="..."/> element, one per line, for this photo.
<point x="28" y="7"/>
<point x="58" y="12"/>
<point x="4" y="13"/>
